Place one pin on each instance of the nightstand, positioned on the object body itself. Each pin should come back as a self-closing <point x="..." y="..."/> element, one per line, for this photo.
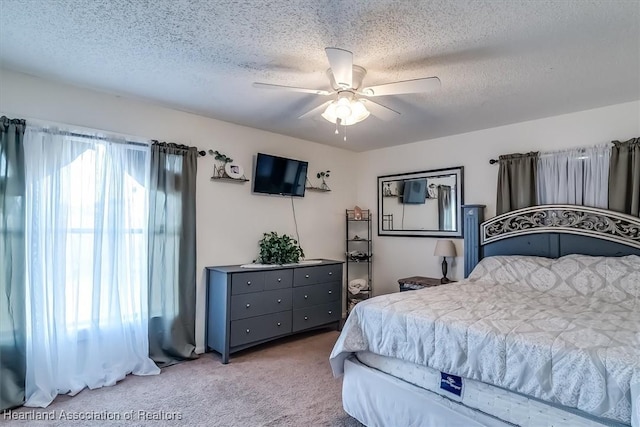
<point x="419" y="282"/>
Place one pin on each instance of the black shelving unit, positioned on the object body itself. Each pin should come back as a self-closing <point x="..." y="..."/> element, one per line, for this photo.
<point x="358" y="254"/>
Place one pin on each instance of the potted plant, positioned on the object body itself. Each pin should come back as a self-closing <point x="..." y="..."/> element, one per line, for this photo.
<point x="275" y="249"/>
<point x="322" y="175"/>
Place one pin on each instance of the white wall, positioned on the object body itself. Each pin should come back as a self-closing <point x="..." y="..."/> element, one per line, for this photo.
<point x="230" y="219"/>
<point x="397" y="257"/>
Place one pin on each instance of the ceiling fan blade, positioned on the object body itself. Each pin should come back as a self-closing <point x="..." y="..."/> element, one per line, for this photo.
<point x="379" y="110"/>
<point x="341" y="63"/>
<point x="316" y="110"/>
<point x="291" y="88"/>
<point x="428" y="84"/>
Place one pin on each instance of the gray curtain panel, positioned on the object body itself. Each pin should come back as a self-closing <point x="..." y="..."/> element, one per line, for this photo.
<point x="624" y="177"/>
<point x="12" y="262"/>
<point x="172" y="253"/>
<point x="516" y="181"/>
<point x="445" y="206"/>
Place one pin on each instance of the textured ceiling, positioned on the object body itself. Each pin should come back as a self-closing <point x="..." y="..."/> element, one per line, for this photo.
<point x="499" y="62"/>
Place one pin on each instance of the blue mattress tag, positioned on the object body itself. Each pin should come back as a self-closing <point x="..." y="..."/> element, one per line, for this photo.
<point x="451" y="383"/>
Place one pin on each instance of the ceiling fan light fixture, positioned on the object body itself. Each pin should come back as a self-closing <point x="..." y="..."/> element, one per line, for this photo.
<point x="348" y="111"/>
<point x="343" y="108"/>
<point x="358" y="111"/>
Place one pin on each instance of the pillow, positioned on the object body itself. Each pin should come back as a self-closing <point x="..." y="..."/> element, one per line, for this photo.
<point x="530" y="271"/>
<point x="613" y="279"/>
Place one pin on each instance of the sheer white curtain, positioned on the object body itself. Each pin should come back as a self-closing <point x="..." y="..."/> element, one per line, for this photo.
<point x="86" y="202"/>
<point x="576" y="177"/>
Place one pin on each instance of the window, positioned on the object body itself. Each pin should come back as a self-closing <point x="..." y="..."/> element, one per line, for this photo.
<point x="103" y="216"/>
<point x="87" y="215"/>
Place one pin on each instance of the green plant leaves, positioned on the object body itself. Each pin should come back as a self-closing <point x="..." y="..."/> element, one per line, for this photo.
<point x="222" y="157"/>
<point x="324" y="174"/>
<point x="275" y="249"/>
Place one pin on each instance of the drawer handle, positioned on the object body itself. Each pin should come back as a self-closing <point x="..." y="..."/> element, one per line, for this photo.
<point x="248" y="331"/>
<point x="279" y="323"/>
<point x="279" y="279"/>
<point x="279" y="301"/>
<point x="330" y="311"/>
<point x="330" y="292"/>
<point x="306" y="318"/>
<point x="306" y="276"/>
<point x="306" y="296"/>
<point x="248" y="305"/>
<point x="249" y="283"/>
<point x="331" y="273"/>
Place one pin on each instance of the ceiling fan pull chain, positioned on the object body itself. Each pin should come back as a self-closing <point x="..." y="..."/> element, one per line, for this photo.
<point x="337" y="122"/>
<point x="345" y="133"/>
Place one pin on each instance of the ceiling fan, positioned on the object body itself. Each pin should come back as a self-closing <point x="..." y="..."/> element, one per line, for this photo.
<point x="350" y="101"/>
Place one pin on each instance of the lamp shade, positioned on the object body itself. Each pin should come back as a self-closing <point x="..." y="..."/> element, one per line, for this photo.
<point x="445" y="248"/>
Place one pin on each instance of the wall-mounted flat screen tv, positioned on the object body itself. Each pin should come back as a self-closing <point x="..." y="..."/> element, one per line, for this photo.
<point x="415" y="191"/>
<point x="279" y="175"/>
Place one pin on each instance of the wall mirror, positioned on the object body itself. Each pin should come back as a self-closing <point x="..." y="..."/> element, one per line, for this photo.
<point x="421" y="204"/>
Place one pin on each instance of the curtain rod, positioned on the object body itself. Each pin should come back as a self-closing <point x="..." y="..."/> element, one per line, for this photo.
<point x="102" y="138"/>
<point x="85" y="135"/>
<point x="553" y="153"/>
<point x="201" y="153"/>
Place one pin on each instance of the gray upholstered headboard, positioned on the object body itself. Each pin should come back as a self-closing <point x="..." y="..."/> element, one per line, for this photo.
<point x="549" y="231"/>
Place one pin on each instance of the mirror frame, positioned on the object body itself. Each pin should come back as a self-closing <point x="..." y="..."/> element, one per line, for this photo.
<point x="458" y="171"/>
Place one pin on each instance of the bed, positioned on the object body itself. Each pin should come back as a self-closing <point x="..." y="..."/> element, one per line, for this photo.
<point x="544" y="331"/>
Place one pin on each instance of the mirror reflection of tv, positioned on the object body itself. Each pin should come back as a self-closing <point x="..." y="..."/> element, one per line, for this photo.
<point x="279" y="175"/>
<point x="414" y="192"/>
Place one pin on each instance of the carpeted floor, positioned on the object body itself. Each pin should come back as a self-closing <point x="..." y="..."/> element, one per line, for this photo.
<point x="285" y="383"/>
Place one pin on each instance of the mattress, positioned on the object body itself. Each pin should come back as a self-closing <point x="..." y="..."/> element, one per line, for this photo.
<point x="377" y="399"/>
<point x="565" y="331"/>
<point x="503" y="404"/>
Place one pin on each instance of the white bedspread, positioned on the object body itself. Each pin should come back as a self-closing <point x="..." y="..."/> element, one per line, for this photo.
<point x="565" y="331"/>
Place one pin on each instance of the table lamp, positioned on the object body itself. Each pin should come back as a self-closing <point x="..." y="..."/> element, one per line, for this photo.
<point x="445" y="248"/>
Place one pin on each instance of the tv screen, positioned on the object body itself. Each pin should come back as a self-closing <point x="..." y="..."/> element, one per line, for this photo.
<point x="279" y="175"/>
<point x="415" y="191"/>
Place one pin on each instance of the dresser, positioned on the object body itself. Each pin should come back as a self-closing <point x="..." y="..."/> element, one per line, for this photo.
<point x="249" y="306"/>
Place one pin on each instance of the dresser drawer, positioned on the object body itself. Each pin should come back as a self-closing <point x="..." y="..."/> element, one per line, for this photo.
<point x="242" y="283"/>
<point x="311" y="275"/>
<point x="278" y="279"/>
<point x="305" y="296"/>
<point x="257" y="304"/>
<point x="260" y="328"/>
<point x="317" y="315"/>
